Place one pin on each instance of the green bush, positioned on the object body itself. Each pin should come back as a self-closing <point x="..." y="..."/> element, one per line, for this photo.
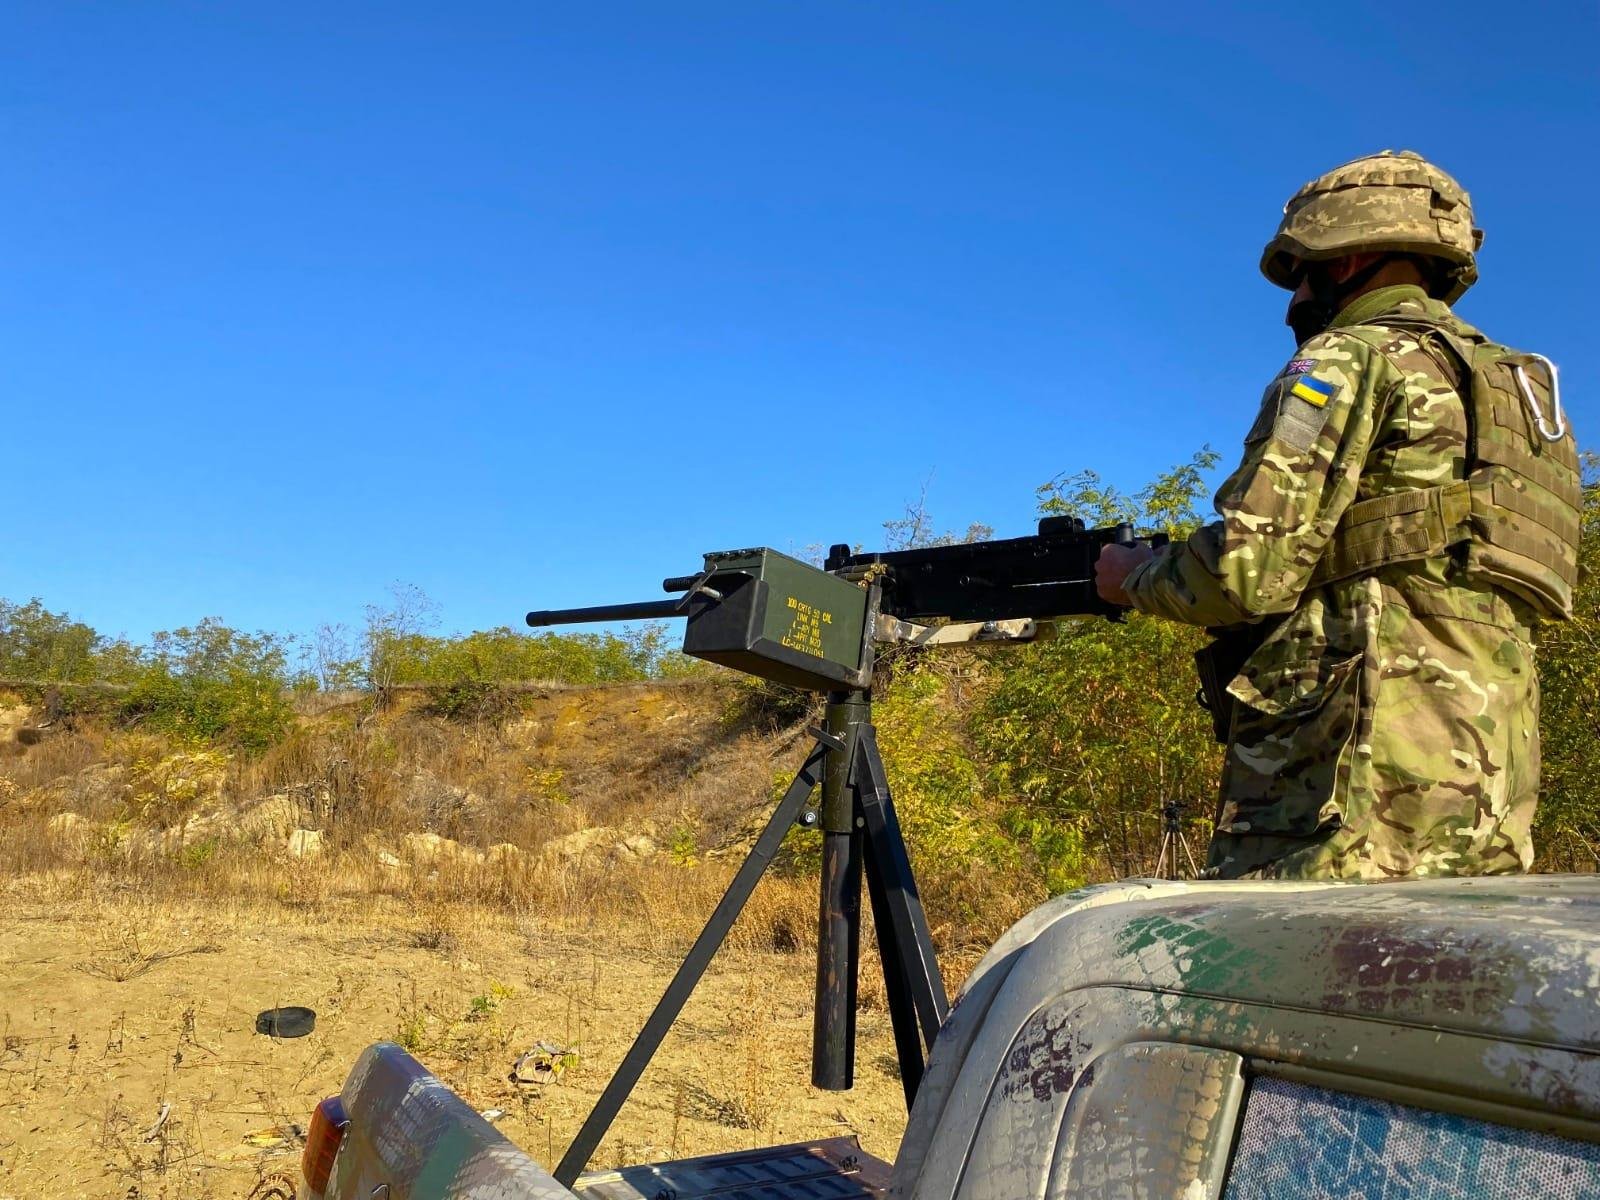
<point x="475" y="700"/>
<point x="939" y="787"/>
<point x="1567" y="828"/>
<point x="211" y="683"/>
<point x="1086" y="735"/>
<point x="1090" y="733"/>
<point x="504" y="655"/>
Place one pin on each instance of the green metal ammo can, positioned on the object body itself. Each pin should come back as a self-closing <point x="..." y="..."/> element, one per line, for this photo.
<point x="781" y="619"/>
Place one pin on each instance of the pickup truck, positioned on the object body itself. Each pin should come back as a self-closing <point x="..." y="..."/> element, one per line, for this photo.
<point x="1427" y="1039"/>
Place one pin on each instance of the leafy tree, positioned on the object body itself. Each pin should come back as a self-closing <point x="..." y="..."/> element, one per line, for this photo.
<point x="505" y="655"/>
<point x="1168" y="503"/>
<point x="916" y="529"/>
<point x="210" y="683"/>
<point x="45" y="647"/>
<point x="939" y="787"/>
<point x="391" y="632"/>
<point x="1087" y="735"/>
<point x="399" y="649"/>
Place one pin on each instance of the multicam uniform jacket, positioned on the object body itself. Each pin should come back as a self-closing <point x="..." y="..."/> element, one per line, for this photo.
<point x="1388" y="724"/>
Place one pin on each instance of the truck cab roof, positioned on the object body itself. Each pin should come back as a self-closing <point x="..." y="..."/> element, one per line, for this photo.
<point x="1180" y="1030"/>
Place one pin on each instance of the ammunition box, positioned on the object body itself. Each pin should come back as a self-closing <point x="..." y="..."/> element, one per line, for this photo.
<point x="782" y="620"/>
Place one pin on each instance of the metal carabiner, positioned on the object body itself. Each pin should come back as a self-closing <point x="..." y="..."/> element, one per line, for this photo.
<point x="1550" y="433"/>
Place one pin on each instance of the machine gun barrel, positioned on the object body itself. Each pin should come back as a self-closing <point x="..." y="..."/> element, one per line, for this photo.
<point x="644" y="610"/>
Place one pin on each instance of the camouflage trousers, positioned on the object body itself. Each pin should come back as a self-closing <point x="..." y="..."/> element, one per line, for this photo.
<point x="1414" y="752"/>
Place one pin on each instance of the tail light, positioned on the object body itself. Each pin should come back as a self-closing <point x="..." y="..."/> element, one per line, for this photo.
<point x="328" y="1124"/>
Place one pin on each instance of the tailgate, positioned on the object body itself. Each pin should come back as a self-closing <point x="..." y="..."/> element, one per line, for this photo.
<point x="836" y="1169"/>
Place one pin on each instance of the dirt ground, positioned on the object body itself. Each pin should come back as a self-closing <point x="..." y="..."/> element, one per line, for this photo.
<point x="130" y="1068"/>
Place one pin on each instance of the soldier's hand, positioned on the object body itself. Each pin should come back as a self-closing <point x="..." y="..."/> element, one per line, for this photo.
<point x="1111" y="569"/>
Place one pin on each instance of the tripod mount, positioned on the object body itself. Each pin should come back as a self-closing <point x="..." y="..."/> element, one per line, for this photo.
<point x="772" y="616"/>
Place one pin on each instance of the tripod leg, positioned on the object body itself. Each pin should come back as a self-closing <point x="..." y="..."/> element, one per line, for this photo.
<point x="908" y="1046"/>
<point x="833" y="1044"/>
<point x="1194" y="871"/>
<point x="1161" y="856"/>
<point x="689" y="973"/>
<point x="909" y="946"/>
<point x="833" y="1031"/>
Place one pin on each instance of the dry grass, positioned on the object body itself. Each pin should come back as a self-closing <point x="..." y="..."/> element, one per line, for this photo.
<point x="156" y="1081"/>
<point x="658" y="761"/>
<point x="155" y="906"/>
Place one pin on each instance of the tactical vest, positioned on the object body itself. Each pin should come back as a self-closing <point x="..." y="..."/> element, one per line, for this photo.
<point x="1513" y="520"/>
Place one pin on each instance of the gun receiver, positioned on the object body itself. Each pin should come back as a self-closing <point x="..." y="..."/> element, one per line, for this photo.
<point x="1050" y="574"/>
<point x="772" y="616"/>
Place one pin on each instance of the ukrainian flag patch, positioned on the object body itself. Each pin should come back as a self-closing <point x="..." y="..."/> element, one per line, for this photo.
<point x="1313" y="391"/>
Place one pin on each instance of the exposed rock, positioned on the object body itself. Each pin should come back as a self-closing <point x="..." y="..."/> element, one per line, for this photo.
<point x="99" y="786"/>
<point x="600" y="840"/>
<point x="503" y="854"/>
<point x="209" y="825"/>
<point x="381" y="854"/>
<point x="142" y="842"/>
<point x="388" y="860"/>
<point x="579" y="843"/>
<point x="179" y="782"/>
<point x="636" y="846"/>
<point x="272" y="819"/>
<point x="440" y="803"/>
<point x="305" y="843"/>
<point x="16" y="724"/>
<point x="430" y="849"/>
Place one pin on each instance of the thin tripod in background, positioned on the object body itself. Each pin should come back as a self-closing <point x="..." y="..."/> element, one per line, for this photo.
<point x="1173" y="840"/>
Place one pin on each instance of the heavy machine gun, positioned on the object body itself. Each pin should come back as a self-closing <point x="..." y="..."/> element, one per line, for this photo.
<point x="774" y="617"/>
<point x="769" y="615"/>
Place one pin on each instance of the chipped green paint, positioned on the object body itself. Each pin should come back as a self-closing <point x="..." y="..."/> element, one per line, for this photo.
<point x="1202" y="960"/>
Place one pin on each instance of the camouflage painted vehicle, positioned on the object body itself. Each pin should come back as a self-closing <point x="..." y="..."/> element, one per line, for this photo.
<point x="1428" y="1039"/>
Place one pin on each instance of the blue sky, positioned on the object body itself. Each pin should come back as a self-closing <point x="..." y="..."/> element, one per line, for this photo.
<point x="530" y="304"/>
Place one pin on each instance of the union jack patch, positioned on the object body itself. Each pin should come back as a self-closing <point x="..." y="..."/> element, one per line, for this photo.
<point x="1300" y="366"/>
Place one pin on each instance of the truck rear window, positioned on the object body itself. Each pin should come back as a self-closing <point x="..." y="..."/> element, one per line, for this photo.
<point x="1306" y="1143"/>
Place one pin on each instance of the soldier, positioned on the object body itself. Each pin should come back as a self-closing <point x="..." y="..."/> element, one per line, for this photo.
<point x="1406" y="511"/>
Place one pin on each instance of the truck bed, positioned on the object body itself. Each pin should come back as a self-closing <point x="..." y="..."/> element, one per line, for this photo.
<point x="835" y="1169"/>
<point x="411" y="1138"/>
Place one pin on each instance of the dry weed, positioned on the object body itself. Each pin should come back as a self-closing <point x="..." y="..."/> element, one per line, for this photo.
<point x="440" y="925"/>
<point x="131" y="940"/>
<point x="753" y="1023"/>
<point x="157" y="1158"/>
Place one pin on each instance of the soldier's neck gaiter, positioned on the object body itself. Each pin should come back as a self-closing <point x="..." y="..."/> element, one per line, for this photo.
<point x="1310" y="317"/>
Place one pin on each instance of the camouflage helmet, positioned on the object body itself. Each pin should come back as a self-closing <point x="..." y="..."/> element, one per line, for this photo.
<point x="1397" y="202"/>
